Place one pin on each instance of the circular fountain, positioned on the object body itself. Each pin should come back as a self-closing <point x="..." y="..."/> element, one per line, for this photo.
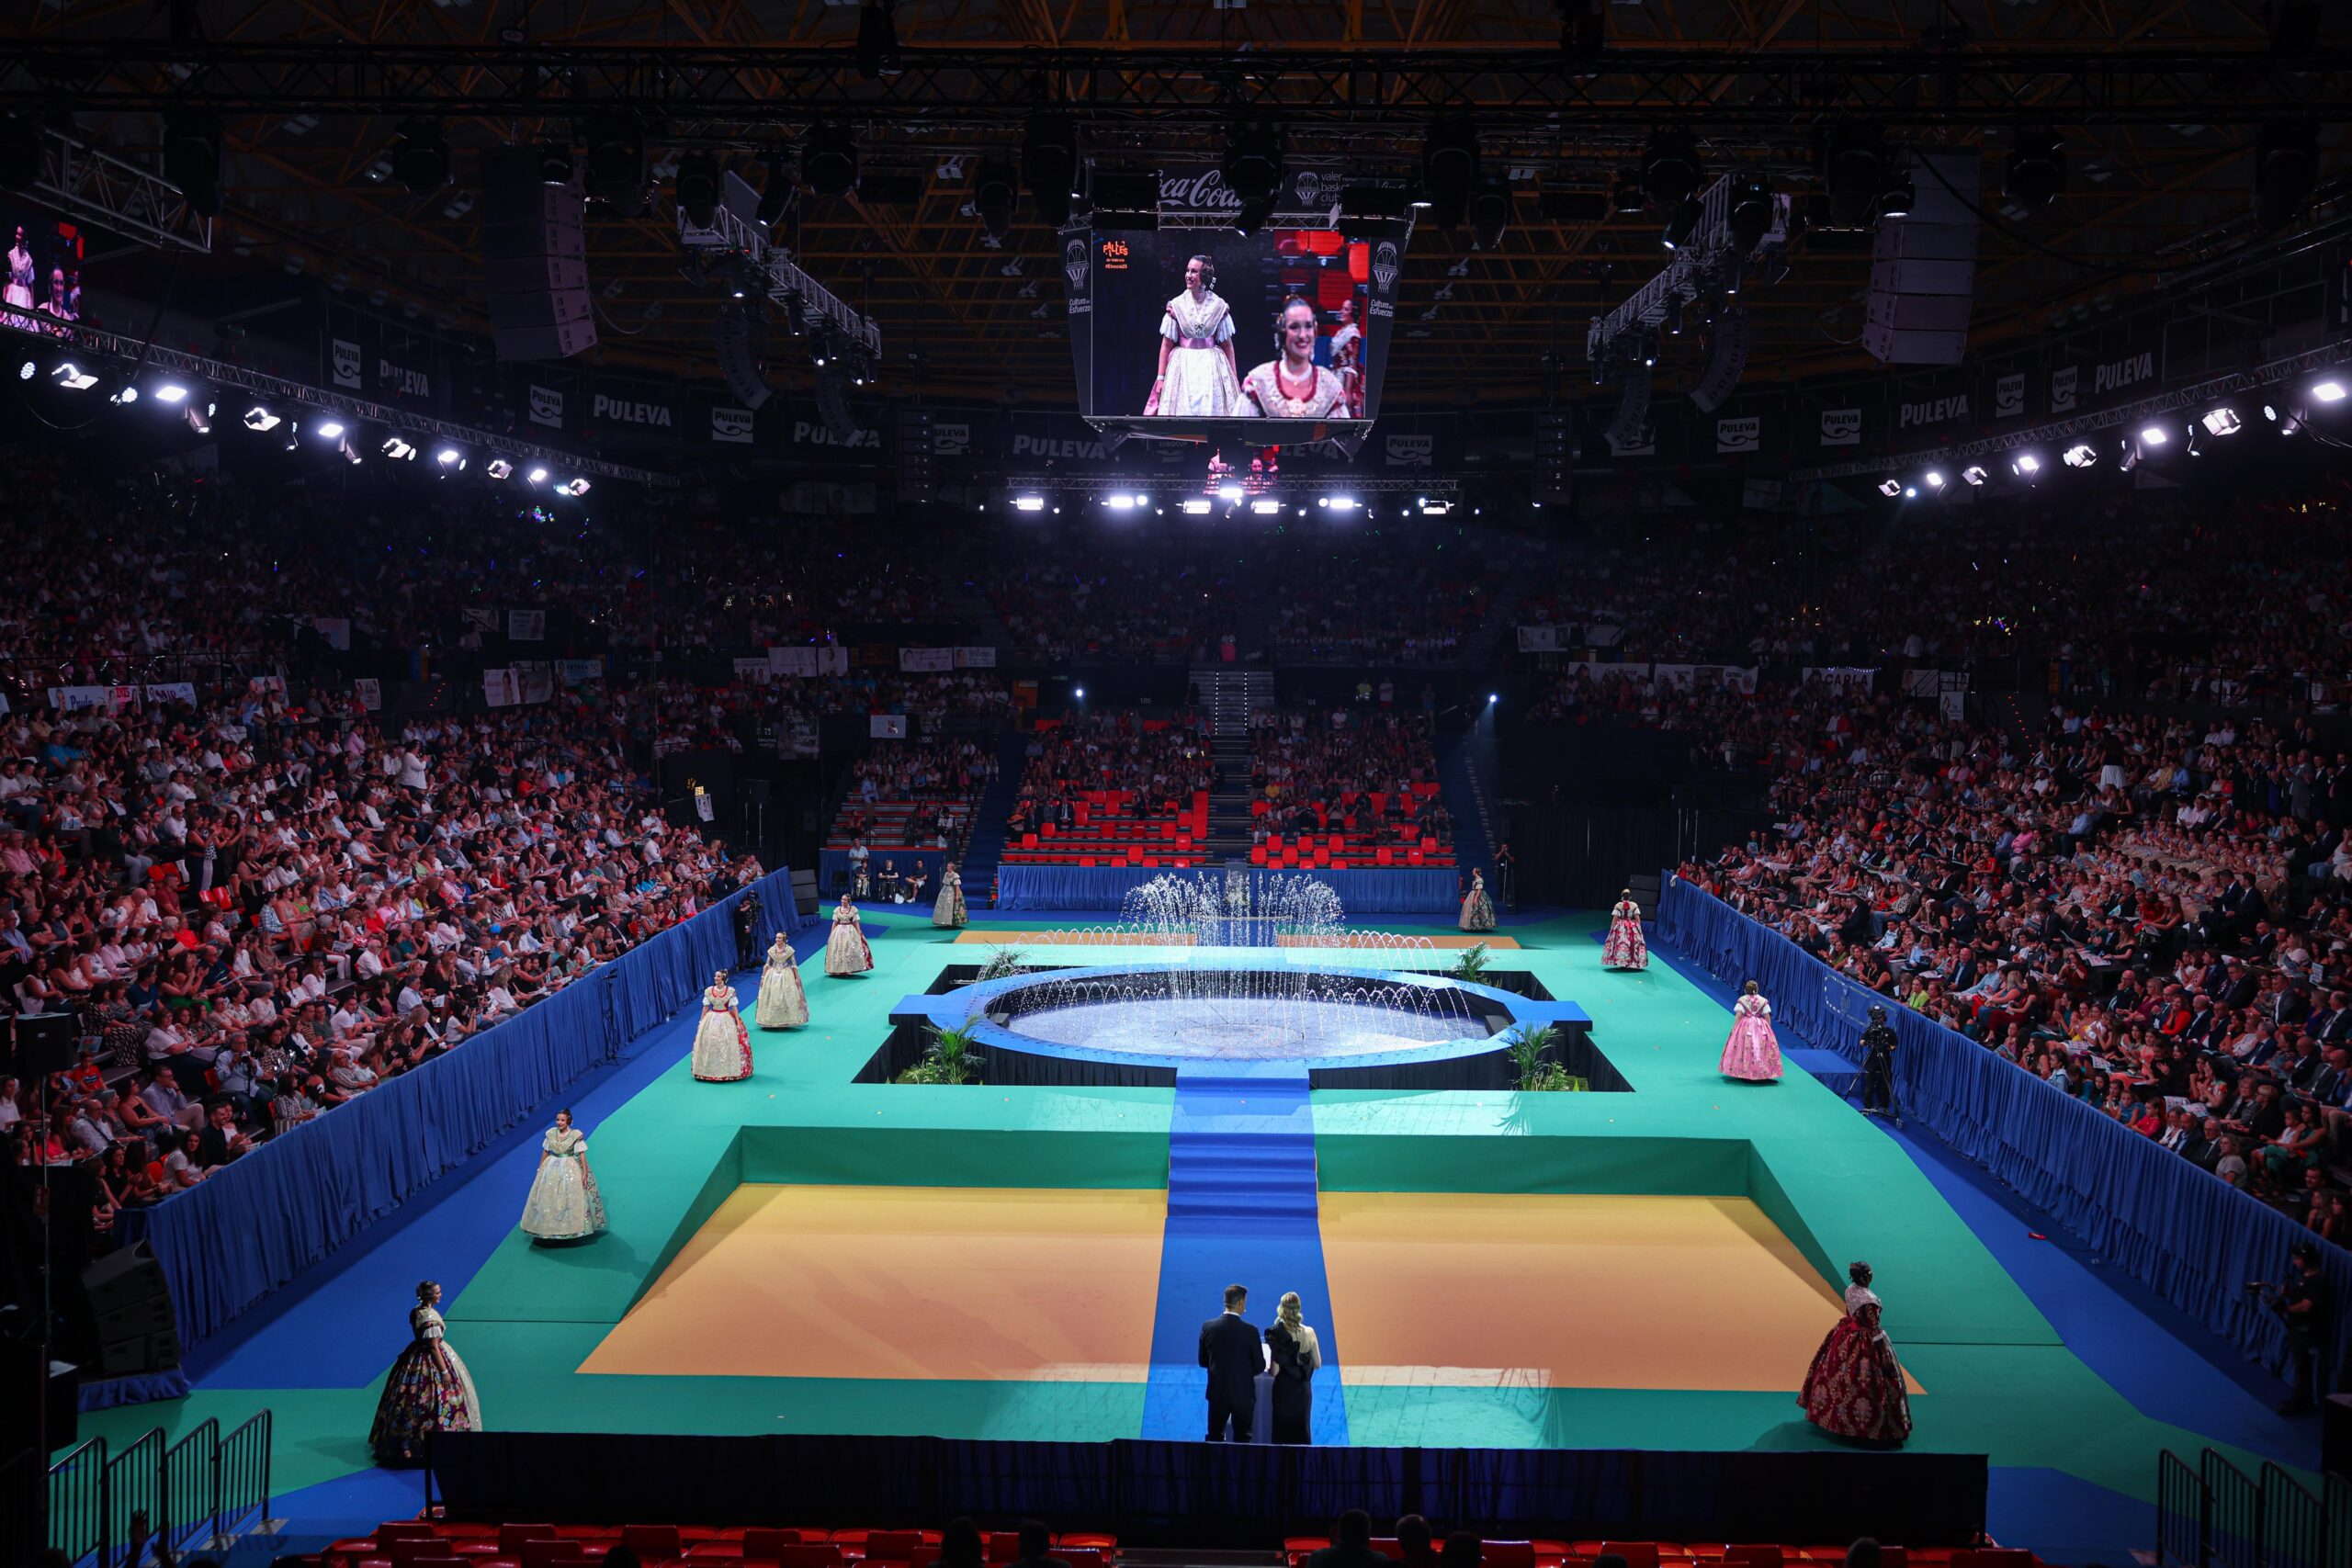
<point x="1237" y="969"/>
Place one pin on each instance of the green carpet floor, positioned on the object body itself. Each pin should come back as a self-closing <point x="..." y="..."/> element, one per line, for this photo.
<point x="1998" y="1378"/>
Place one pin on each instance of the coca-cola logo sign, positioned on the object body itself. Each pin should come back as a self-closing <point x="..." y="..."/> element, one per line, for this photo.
<point x="1197" y="190"/>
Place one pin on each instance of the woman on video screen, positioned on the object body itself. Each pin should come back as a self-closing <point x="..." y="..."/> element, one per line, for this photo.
<point x="1292" y="385"/>
<point x="20" y="296"/>
<point x="1347" y="357"/>
<point x="1197" y="377"/>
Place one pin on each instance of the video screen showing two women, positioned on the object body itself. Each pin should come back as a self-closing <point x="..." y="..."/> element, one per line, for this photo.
<point x="44" y="283"/>
<point x="1198" y="324"/>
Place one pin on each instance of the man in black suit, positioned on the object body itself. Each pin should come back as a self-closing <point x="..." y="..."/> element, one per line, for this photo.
<point x="1233" y="1352"/>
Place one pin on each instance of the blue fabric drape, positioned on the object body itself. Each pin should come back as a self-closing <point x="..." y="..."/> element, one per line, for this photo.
<point x="833" y="869"/>
<point x="2190" y="1238"/>
<point x="1405" y="891"/>
<point x="256" y="1224"/>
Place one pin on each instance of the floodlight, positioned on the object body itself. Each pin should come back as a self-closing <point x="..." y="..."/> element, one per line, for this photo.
<point x="1265" y="506"/>
<point x="327" y="429"/>
<point x="2154" y="435"/>
<point x="577" y="487"/>
<point x="1343" y="503"/>
<point x="1028" y="503"/>
<point x="1973" y="475"/>
<point x="1229" y="494"/>
<point x="260" y="418"/>
<point x="1197" y="506"/>
<point x="2222" y="422"/>
<point x="1935" y="479"/>
<point x="1120" y="502"/>
<point x="499" y="468"/>
<point x="74" y="377"/>
<point x="171" y="392"/>
<point x="125" y="394"/>
<point x="2329" y="392"/>
<point x="1890" y="488"/>
<point x="2027" y="463"/>
<point x="2079" y="456"/>
<point x="448" y="458"/>
<point x="396" y="449"/>
<point x="538" y="476"/>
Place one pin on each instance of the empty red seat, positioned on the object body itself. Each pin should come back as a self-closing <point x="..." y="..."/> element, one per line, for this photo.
<point x="511" y="1537"/>
<point x="897" y="1546"/>
<point x="1510" y="1554"/>
<point x="653" y="1543"/>
<point x="1754" y="1556"/>
<point x="1636" y="1553"/>
<point x="1258" y="855"/>
<point x="806" y="1554"/>
<point x="1385" y="856"/>
<point x="768" y="1545"/>
<point x="545" y="1553"/>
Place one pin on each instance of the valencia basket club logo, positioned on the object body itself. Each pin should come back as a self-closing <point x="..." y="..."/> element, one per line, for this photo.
<point x="1384" y="267"/>
<point x="1074" y="266"/>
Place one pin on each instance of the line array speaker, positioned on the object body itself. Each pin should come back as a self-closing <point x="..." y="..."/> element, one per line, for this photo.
<point x="534" y="251"/>
<point x="738" y="355"/>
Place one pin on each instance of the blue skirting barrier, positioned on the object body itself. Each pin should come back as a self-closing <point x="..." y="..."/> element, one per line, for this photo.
<point x="2190" y="1238"/>
<point x="1405" y="891"/>
<point x="833" y="870"/>
<point x="253" y="1225"/>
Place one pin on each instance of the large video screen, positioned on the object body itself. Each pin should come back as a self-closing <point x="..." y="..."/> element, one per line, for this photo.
<point x="1196" y="325"/>
<point x="44" y="278"/>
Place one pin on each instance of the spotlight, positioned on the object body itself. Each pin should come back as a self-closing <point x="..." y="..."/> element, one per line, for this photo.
<point x="1450" y="169"/>
<point x="616" y="168"/>
<point x="1343" y="503"/>
<point x="1680" y="224"/>
<point x="2036" y="171"/>
<point x="1049" y="165"/>
<point x="1973" y="476"/>
<point x="327" y="429"/>
<point x="2286" y="162"/>
<point x="1935" y="479"/>
<point x="2026" y="464"/>
<point x="1120" y="502"/>
<point x="449" y="458"/>
<point x="2329" y="392"/>
<point x="697" y="188"/>
<point x="1028" y="503"/>
<point x="1493" y="697"/>
<point x="1078" y="691"/>
<point x="877" y="42"/>
<point x="536" y="476"/>
<point x="2154" y="435"/>
<point x="776" y="192"/>
<point x="398" y="450"/>
<point x="126" y="394"/>
<point x="498" y="467"/>
<point x="26" y="371"/>
<point x="1265" y="506"/>
<point x="1890" y="488"/>
<point x="348" y="450"/>
<point x="421" y="156"/>
<point x="577" y="487"/>
<point x="1674" y="316"/>
<point x="2270" y="413"/>
<point x="2079" y="456"/>
<point x="1229" y="494"/>
<point x="171" y="392"/>
<point x="199" y="419"/>
<point x="2222" y="422"/>
<point x="1626" y="196"/>
<point x="1751" y="212"/>
<point x="1197" y="506"/>
<point x="1897" y="199"/>
<point x="1910" y="493"/>
<point x="992" y="197"/>
<point x="1670" y="168"/>
<point x="73" y="378"/>
<point x="828" y="160"/>
<point x="1853" y="168"/>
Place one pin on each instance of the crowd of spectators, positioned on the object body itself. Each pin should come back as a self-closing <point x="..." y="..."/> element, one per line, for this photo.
<point x="2153" y="913"/>
<point x="1366" y="771"/>
<point x="1383" y="601"/>
<point x="1163" y="763"/>
<point x="1133" y="604"/>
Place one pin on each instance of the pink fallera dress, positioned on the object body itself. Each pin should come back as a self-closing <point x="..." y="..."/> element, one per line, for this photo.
<point x="1752" y="1053"/>
<point x="1625" y="948"/>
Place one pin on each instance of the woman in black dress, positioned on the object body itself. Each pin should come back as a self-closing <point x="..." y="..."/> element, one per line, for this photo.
<point x="1295" y="1356"/>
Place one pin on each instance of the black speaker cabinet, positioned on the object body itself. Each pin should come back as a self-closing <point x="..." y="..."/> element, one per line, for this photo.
<point x="131" y="1302"/>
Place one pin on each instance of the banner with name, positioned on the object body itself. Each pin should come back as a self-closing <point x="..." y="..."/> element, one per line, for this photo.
<point x="976" y="658"/>
<point x="926" y="659"/>
<point x="501" y="688"/>
<point x="886" y="726"/>
<point x="336" y="629"/>
<point x="171" y="692"/>
<point x="80" y="699"/>
<point x="370" y="693"/>
<point x="535" y="680"/>
<point x="808" y="661"/>
<point x="527" y="625"/>
<point x="1848" y="679"/>
<point x="579" y="671"/>
<point x="755" y="671"/>
<point x="1705" y="677"/>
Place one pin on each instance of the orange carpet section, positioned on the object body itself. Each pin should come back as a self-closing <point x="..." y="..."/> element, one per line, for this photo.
<point x="1569" y="1291"/>
<point x="1022" y="1284"/>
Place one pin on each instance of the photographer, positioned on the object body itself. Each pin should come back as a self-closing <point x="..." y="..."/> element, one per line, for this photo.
<point x="2302" y="1305"/>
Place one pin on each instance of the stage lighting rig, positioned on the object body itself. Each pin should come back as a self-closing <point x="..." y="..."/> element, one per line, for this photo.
<point x="617" y="163"/>
<point x="421" y="156"/>
<point x="2079" y="456"/>
<point x="398" y="450"/>
<point x="1680" y="224"/>
<point x="192" y="158"/>
<point x="828" y="159"/>
<point x="1751" y="212"/>
<point x="1890" y="488"/>
<point x="1627" y="197"/>
<point x="498" y="468"/>
<point x="1450" y="169"/>
<point x="1050" y="167"/>
<point x="993" y="199"/>
<point x="1490" y="215"/>
<point x="1670" y="168"/>
<point x="776" y="190"/>
<point x="697" y="188"/>
<point x="2035" y="171"/>
<point x="2222" y="421"/>
<point x="877" y="42"/>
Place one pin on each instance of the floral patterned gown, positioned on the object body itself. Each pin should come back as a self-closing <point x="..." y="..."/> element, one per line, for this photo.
<point x="1625" y="948"/>
<point x="722" y="1046"/>
<point x="1854" y="1387"/>
<point x="1753" y="1052"/>
<point x="784" y="1001"/>
<point x="429" y="1391"/>
<point x="1477" y="909"/>
<point x="948" y="912"/>
<point x="846" y="952"/>
<point x="564" y="1204"/>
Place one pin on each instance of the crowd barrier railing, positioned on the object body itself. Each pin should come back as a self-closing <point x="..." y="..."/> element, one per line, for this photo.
<point x="252" y="1225"/>
<point x="2192" y="1238"/>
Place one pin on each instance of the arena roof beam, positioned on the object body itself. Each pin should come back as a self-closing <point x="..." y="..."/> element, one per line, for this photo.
<point x="1369" y="85"/>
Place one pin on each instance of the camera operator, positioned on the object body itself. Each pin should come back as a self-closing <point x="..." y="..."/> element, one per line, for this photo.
<point x="2302" y="1305"/>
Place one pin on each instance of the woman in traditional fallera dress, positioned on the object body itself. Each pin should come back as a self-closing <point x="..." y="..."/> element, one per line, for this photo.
<point x="1854" y="1387"/>
<point x="722" y="1046"/>
<point x="1477" y="909"/>
<point x="1292" y="1347"/>
<point x="783" y="1001"/>
<point x="1625" y="948"/>
<point x="846" y="952"/>
<point x="1197" y="376"/>
<point x="1753" y="1052"/>
<point x="948" y="912"/>
<point x="564" y="1204"/>
<point x="1290" y="385"/>
<point x="428" y="1390"/>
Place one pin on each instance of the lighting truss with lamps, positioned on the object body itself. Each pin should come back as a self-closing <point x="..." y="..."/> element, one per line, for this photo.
<point x="1093" y="486"/>
<point x="785" y="283"/>
<point x="89" y="344"/>
<point x="91" y="183"/>
<point x="1706" y="255"/>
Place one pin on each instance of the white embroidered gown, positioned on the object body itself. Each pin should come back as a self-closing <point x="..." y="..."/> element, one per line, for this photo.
<point x="564" y="1204"/>
<point x="722" y="1046"/>
<point x="1198" y="382"/>
<point x="784" y="1001"/>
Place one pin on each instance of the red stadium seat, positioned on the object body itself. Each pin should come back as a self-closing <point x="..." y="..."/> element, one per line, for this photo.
<point x="808" y="1554"/>
<point x="1754" y="1556"/>
<point x="653" y="1543"/>
<point x="511" y="1537"/>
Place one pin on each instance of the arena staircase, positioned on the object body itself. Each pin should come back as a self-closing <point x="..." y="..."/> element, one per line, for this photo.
<point x="1463" y="766"/>
<point x="985" y="848"/>
<point x="1231" y="693"/>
